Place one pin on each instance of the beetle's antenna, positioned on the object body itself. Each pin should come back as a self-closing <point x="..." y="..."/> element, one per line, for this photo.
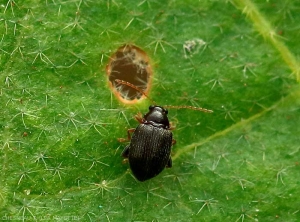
<point x="136" y="88"/>
<point x="190" y="107"/>
<point x="168" y="106"/>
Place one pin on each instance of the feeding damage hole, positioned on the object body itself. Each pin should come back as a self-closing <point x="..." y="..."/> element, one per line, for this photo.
<point x="131" y="64"/>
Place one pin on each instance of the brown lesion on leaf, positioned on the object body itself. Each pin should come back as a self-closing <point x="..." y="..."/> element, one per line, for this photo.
<point x="131" y="64"/>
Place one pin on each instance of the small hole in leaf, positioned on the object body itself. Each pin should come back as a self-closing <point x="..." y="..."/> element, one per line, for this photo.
<point x="131" y="64"/>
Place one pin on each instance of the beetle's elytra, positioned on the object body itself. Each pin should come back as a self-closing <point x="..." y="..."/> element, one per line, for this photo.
<point x="150" y="146"/>
<point x="149" y="151"/>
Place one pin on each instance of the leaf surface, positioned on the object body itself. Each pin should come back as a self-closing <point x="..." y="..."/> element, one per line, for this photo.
<point x="59" y="154"/>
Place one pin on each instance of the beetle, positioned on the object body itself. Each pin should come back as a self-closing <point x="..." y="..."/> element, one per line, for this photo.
<point x="149" y="151"/>
<point x="150" y="146"/>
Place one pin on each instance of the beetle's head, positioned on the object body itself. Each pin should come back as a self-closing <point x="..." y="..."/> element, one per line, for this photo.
<point x="158" y="115"/>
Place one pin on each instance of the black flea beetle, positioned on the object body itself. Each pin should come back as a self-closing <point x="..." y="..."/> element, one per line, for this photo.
<point x="149" y="151"/>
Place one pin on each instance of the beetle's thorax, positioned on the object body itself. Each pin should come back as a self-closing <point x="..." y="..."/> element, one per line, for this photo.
<point x="157" y="116"/>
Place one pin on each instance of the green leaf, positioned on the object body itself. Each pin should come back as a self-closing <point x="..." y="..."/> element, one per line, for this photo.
<point x="59" y="154"/>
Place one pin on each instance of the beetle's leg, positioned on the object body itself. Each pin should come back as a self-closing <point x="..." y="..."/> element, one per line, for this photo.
<point x="139" y="117"/>
<point x="173" y="142"/>
<point x="130" y="131"/>
<point x="172" y="127"/>
<point x="169" y="164"/>
<point x="121" y="140"/>
<point x="125" y="152"/>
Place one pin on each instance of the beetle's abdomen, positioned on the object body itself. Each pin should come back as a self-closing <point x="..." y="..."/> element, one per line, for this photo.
<point x="149" y="151"/>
